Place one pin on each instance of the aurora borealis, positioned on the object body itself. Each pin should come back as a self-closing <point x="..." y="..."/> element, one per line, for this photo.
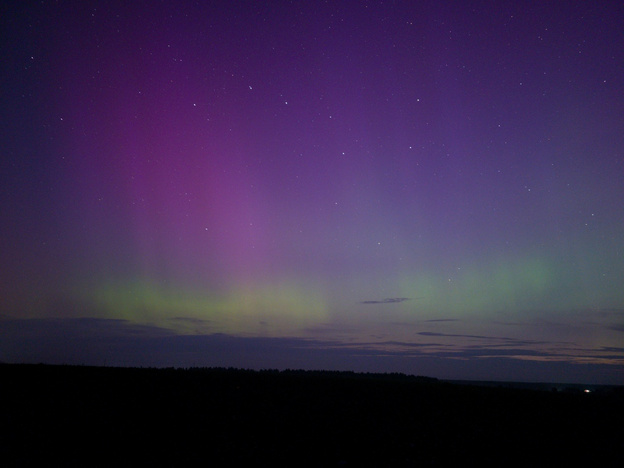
<point x="426" y="187"/>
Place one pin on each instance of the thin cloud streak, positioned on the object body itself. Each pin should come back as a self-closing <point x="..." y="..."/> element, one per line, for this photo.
<point x="388" y="300"/>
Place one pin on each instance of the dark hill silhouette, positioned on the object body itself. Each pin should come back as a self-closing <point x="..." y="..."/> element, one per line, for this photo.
<point x="89" y="416"/>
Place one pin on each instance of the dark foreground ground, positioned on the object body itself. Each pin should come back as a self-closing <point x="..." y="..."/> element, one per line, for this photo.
<point x="86" y="416"/>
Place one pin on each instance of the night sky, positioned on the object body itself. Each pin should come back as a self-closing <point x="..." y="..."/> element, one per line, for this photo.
<point x="434" y="188"/>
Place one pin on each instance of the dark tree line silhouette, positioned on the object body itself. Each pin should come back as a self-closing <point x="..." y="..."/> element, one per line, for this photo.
<point x="88" y="416"/>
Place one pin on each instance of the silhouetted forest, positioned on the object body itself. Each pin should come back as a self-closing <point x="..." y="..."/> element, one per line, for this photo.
<point x="89" y="416"/>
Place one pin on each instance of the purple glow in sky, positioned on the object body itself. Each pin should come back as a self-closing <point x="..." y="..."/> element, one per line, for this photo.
<point x="435" y="188"/>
